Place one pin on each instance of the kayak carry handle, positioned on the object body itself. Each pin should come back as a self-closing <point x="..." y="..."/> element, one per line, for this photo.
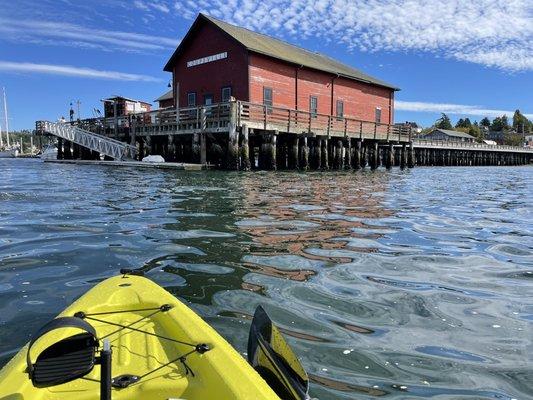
<point x="129" y="271"/>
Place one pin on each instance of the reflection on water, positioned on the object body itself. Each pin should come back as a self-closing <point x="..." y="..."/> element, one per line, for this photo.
<point x="397" y="284"/>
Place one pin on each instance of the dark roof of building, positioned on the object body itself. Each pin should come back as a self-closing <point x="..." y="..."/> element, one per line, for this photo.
<point x="281" y="50"/>
<point x="454" y="133"/>
<point x="167" y="96"/>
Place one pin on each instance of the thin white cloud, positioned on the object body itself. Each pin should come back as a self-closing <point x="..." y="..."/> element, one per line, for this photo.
<point x="152" y="5"/>
<point x="453" y="109"/>
<point x="496" y="34"/>
<point x="75" y="35"/>
<point x="68" y="70"/>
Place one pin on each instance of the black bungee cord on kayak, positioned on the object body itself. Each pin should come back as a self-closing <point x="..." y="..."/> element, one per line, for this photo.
<point x="125" y="380"/>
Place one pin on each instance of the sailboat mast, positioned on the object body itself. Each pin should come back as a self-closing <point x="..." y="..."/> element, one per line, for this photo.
<point x="5" y="116"/>
<point x="1" y="140"/>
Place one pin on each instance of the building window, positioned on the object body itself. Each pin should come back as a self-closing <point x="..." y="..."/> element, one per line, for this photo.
<point x="191" y="99"/>
<point x="313" y="106"/>
<point x="267" y="99"/>
<point x="378" y="115"/>
<point x="226" y="94"/>
<point x="340" y="109"/>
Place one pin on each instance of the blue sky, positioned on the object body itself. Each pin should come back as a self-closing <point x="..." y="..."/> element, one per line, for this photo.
<point x="473" y="59"/>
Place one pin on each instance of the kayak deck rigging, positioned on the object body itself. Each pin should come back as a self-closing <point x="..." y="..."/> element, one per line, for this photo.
<point x="125" y="380"/>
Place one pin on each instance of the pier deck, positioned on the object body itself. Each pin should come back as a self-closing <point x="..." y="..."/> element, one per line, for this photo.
<point x="243" y="135"/>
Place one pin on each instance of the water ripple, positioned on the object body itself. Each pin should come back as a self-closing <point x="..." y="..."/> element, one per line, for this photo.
<point x="400" y="284"/>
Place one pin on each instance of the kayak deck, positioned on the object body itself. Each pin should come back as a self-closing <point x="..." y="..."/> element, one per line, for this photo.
<point x="146" y="341"/>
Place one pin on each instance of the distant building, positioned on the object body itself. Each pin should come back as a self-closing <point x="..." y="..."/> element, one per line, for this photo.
<point x="497" y="136"/>
<point x="124" y="106"/>
<point x="448" y="135"/>
<point x="491" y="142"/>
<point x="528" y="140"/>
<point x="166" y="100"/>
<point x="415" y="128"/>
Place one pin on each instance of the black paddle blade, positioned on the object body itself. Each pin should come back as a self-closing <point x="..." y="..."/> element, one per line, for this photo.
<point x="274" y="360"/>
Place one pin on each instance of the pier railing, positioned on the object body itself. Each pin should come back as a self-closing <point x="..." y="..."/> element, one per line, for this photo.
<point x="261" y="116"/>
<point x="458" y="145"/>
<point x="102" y="144"/>
<point x="217" y="117"/>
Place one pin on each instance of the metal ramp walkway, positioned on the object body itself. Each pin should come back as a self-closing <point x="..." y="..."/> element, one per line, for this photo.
<point x="104" y="145"/>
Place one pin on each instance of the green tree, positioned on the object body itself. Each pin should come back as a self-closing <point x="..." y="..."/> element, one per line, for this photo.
<point x="443" y="122"/>
<point x="505" y="123"/>
<point x="485" y="122"/>
<point x="474" y="130"/>
<point x="500" y="124"/>
<point x="520" y="123"/>
<point x="463" y="123"/>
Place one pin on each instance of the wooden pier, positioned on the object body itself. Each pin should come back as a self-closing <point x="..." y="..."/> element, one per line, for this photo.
<point x="239" y="135"/>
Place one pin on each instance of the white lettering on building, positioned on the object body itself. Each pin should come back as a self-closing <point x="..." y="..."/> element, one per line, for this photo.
<point x="208" y="59"/>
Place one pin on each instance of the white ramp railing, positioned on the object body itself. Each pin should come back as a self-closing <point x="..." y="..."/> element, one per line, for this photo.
<point x="110" y="147"/>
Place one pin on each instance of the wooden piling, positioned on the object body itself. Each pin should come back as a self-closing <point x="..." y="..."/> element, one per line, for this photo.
<point x="59" y="148"/>
<point x="411" y="156"/>
<point x="67" y="153"/>
<point x="403" y="156"/>
<point x="303" y="154"/>
<point x="373" y="155"/>
<point x="324" y="162"/>
<point x="348" y="153"/>
<point x="292" y="158"/>
<point x="270" y="142"/>
<point x="337" y="155"/>
<point x="245" y="149"/>
<point x="357" y="155"/>
<point x="389" y="156"/>
<point x="233" y="139"/>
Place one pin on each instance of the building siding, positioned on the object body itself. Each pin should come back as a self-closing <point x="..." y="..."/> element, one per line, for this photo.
<point x="292" y="87"/>
<point x="210" y="78"/>
<point x="361" y="99"/>
<point x="268" y="72"/>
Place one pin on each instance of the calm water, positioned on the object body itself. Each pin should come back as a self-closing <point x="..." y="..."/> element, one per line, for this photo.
<point x="388" y="284"/>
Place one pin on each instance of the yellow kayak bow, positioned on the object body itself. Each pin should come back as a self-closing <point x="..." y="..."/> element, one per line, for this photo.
<point x="128" y="338"/>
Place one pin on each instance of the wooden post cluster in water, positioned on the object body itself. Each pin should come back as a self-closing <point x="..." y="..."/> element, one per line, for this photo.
<point x="465" y="157"/>
<point x="248" y="149"/>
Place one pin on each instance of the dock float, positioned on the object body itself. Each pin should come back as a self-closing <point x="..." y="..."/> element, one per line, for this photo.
<point x="136" y="164"/>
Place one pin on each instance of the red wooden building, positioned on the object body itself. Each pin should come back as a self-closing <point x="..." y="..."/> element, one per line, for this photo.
<point x="216" y="61"/>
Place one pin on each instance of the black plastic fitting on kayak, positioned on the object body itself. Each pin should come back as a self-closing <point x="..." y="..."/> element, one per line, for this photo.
<point x="123" y="381"/>
<point x="202" y="348"/>
<point x="128" y="271"/>
<point x="165" y="307"/>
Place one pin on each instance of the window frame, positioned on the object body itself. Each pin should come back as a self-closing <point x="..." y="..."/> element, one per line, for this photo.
<point x="340" y="115"/>
<point x="195" y="99"/>
<point x="222" y="93"/>
<point x="270" y="102"/>
<point x="377" y="115"/>
<point x="314" y="113"/>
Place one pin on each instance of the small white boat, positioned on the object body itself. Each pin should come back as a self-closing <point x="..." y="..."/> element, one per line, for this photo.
<point x="12" y="153"/>
<point x="49" y="153"/>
